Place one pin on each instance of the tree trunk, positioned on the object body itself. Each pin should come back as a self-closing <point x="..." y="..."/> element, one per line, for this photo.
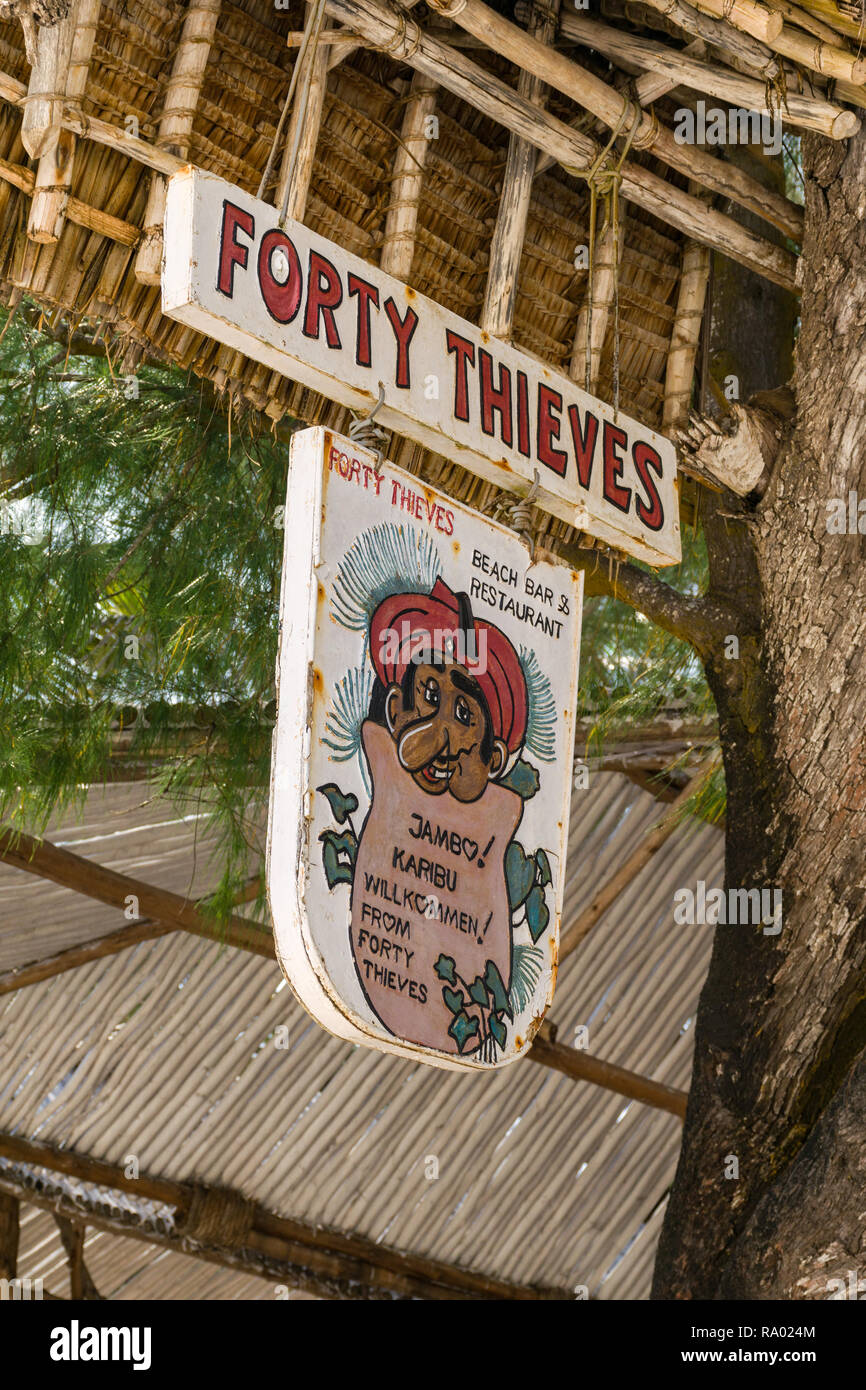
<point x="780" y="1049"/>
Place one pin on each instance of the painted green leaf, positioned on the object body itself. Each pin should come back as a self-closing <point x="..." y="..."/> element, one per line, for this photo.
<point x="519" y="874"/>
<point x="497" y="1029"/>
<point x="342" y="804"/>
<point x="338" y="856"/>
<point x="496" y="985"/>
<point x="454" y="999"/>
<point x="478" y="992"/>
<point x="462" y="1028"/>
<point x="523" y="779"/>
<point x="537" y="914"/>
<point x="446" y="969"/>
<point x="544" y="874"/>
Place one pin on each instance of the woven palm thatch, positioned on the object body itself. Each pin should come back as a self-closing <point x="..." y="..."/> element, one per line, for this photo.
<point x="249" y="66"/>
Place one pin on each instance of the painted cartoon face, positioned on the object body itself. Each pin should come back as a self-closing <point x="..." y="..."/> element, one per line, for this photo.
<point x="441" y="725"/>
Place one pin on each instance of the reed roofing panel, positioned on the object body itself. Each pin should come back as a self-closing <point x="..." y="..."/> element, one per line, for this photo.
<point x="127" y="1269"/>
<point x="126" y="828"/>
<point x="168" y="1051"/>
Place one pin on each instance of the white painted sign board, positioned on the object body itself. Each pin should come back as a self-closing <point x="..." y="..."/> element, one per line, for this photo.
<point x="305" y="307"/>
<point x="421" y="777"/>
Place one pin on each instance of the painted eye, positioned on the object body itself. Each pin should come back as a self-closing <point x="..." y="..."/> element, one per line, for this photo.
<point x="462" y="712"/>
<point x="431" y="693"/>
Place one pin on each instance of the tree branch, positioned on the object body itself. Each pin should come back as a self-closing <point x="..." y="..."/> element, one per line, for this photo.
<point x="685" y="616"/>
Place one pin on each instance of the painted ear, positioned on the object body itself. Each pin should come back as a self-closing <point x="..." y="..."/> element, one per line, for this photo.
<point x="392" y="699"/>
<point x="500" y="758"/>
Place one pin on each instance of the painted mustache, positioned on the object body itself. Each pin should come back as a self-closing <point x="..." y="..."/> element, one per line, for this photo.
<point x="427" y="746"/>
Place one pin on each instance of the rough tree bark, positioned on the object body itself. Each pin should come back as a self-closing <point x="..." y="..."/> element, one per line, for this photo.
<point x="779" y="1075"/>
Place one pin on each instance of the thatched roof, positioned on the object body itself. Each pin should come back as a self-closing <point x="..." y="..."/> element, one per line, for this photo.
<point x="126" y="85"/>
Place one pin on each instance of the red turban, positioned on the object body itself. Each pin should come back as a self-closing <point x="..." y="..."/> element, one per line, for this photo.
<point x="406" y="624"/>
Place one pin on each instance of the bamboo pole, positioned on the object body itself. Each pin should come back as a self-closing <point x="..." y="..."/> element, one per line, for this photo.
<point x="54" y="172"/>
<point x="94" y="219"/>
<point x="506" y="247"/>
<point x="694" y="279"/>
<point x="811" y="23"/>
<point x="809" y="113"/>
<point x="756" y="55"/>
<point x="818" y="56"/>
<point x="596" y="311"/>
<point x="398" y="246"/>
<point x="296" y="171"/>
<point x="175" y="124"/>
<point x="617" y="111"/>
<point x="488" y="94"/>
<point x="647" y="89"/>
<point x="752" y="18"/>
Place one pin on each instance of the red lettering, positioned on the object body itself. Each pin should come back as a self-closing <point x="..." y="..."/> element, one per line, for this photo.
<point x="449" y="517"/>
<point x="548" y="430"/>
<point x="324" y="295"/>
<point x="646" y="458"/>
<point x="584" y="443"/>
<point x="498" y="401"/>
<point x="367" y="295"/>
<point x="464" y="355"/>
<point x="231" y="251"/>
<point x="403" y="331"/>
<point x="523" y="413"/>
<point x="614" y="439"/>
<point x="282" y="301"/>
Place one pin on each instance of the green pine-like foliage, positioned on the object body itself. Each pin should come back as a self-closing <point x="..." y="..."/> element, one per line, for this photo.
<point x="140" y="562"/>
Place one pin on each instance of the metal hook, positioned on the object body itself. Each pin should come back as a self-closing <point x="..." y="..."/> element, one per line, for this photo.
<point x="364" y="431"/>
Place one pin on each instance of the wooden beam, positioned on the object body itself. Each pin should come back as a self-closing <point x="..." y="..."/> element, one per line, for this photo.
<point x="398" y="245"/>
<point x="488" y="94"/>
<point x="54" y="171"/>
<point x="757" y="56"/>
<point x="176" y="122"/>
<point x="648" y="88"/>
<point x="617" y="111"/>
<point x="580" y="1066"/>
<point x="328" y="1263"/>
<point x="94" y="219"/>
<point x="750" y="17"/>
<point x="72" y="1234"/>
<point x="83" y="876"/>
<point x="61" y="866"/>
<point x="304" y="124"/>
<point x="97" y="948"/>
<point x="651" y="843"/>
<point x="506" y="247"/>
<point x="43" y="108"/>
<point x="10" y="1231"/>
<point x="808" y="113"/>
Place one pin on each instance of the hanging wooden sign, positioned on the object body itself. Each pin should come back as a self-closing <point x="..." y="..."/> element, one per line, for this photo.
<point x="307" y="308"/>
<point x="422" y="762"/>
